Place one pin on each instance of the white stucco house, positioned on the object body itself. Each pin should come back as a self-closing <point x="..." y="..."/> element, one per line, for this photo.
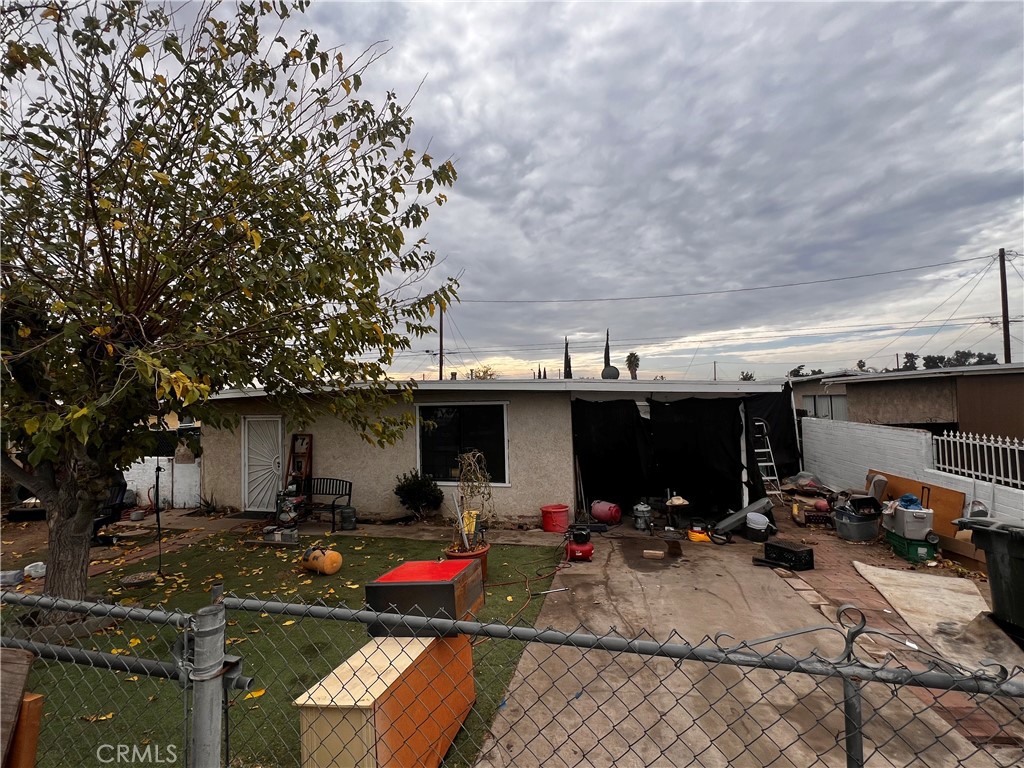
<point x="543" y="438"/>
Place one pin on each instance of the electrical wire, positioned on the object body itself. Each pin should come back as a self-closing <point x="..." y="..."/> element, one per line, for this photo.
<point x="900" y="336"/>
<point x="723" y="290"/>
<point x="980" y="277"/>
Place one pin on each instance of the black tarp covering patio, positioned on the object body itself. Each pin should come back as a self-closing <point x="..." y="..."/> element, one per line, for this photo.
<point x="690" y="446"/>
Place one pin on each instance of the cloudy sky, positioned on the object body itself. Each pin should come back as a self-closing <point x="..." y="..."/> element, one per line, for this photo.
<point x="612" y="156"/>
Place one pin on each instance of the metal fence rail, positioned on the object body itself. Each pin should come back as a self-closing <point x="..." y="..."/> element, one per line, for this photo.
<point x="122" y="685"/>
<point x="821" y="696"/>
<point x="994" y="459"/>
<point x="131" y="686"/>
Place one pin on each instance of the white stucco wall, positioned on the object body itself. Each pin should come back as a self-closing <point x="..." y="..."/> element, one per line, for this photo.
<point x="841" y="452"/>
<point x="539" y="456"/>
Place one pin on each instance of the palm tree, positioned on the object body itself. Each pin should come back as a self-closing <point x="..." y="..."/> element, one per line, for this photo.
<point x="632" y="364"/>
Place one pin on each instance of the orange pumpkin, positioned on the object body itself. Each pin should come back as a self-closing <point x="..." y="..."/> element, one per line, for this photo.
<point x="321" y="560"/>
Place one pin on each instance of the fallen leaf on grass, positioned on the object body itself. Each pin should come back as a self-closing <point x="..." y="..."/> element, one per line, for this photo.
<point x="255" y="694"/>
<point x="288" y="623"/>
<point x="235" y="640"/>
<point x="97" y="718"/>
<point x="509" y="598"/>
<point x="357" y="548"/>
<point x="132" y="679"/>
<point x="134" y="641"/>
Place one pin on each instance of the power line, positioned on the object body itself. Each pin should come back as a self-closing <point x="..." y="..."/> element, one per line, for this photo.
<point x="724" y="290"/>
<point x="900" y="336"/>
<point x="981" y="277"/>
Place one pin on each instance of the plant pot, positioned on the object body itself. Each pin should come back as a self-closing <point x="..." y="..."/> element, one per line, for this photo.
<point x="480" y="553"/>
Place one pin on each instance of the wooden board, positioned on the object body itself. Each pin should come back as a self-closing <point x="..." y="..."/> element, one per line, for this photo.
<point x="397" y="702"/>
<point x="25" y="743"/>
<point x="14" y="668"/>
<point x="947" y="504"/>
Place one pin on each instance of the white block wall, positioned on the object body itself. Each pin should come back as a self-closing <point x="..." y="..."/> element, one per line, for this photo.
<point x="179" y="483"/>
<point x="841" y="453"/>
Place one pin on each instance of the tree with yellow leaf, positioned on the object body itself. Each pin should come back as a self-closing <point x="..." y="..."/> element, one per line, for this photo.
<point x="194" y="201"/>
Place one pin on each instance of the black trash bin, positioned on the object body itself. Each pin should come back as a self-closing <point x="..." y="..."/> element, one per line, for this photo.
<point x="1003" y="544"/>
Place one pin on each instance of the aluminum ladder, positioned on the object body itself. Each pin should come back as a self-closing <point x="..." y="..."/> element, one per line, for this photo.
<point x="765" y="458"/>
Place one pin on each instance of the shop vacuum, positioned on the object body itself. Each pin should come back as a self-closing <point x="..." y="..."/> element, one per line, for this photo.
<point x="578" y="545"/>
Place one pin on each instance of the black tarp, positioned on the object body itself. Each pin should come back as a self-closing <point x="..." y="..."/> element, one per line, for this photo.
<point x="776" y="409"/>
<point x="690" y="446"/>
<point x="612" y="446"/>
<point x="697" y="449"/>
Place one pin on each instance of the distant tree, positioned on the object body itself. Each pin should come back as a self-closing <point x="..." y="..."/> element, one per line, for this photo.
<point x="861" y="365"/>
<point x="816" y="372"/>
<point x="960" y="358"/>
<point x="909" y="361"/>
<point x="483" y="372"/>
<point x="747" y="376"/>
<point x="567" y="363"/>
<point x="797" y="372"/>
<point x="659" y="377"/>
<point x="632" y="364"/>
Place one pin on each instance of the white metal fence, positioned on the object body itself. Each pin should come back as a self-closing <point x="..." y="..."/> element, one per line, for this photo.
<point x="994" y="459"/>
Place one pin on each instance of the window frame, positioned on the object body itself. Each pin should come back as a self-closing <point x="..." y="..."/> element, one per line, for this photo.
<point x="465" y="403"/>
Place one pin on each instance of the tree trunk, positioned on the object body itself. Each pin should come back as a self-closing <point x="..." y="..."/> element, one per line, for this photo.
<point x="82" y="488"/>
<point x="67" y="566"/>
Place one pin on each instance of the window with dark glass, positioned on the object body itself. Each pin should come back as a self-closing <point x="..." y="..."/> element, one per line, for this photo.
<point x="448" y="430"/>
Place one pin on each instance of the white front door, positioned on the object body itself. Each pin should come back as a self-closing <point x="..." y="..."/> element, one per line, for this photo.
<point x="261" y="462"/>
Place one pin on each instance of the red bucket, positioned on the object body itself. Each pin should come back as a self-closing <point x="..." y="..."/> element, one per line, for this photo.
<point x="555" y="518"/>
<point x="606" y="512"/>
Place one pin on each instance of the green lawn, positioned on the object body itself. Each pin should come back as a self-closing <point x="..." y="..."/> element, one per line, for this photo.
<point x="284" y="655"/>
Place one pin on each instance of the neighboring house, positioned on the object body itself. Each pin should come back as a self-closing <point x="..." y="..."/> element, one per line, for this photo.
<point x="823" y="395"/>
<point x="978" y="399"/>
<point x="543" y="440"/>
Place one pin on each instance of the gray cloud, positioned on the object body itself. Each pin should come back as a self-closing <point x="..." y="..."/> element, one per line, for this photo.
<point x="620" y="149"/>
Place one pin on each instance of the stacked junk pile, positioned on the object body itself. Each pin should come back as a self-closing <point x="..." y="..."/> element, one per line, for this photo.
<point x="863" y="514"/>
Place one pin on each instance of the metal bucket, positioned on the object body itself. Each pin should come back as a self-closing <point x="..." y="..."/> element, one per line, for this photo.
<point x="642" y="517"/>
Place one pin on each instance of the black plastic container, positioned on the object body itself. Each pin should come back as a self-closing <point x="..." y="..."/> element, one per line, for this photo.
<point x="1003" y="544"/>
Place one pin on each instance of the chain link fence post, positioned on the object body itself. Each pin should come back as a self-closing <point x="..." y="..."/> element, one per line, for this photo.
<point x="208" y="684"/>
<point x="852" y="715"/>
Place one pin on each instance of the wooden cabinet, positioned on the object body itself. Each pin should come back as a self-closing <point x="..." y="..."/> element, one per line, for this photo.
<point x="396" y="703"/>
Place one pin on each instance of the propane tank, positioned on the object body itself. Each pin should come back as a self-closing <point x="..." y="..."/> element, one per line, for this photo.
<point x="606" y="512"/>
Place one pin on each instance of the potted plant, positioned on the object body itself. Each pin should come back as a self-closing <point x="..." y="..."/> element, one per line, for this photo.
<point x="474" y="508"/>
<point x="418" y="493"/>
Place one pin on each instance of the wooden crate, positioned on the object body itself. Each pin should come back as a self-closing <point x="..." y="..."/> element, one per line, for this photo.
<point x="397" y="702"/>
<point x="450" y="588"/>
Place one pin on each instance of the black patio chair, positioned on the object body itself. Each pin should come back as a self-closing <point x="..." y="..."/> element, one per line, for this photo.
<point x="109" y="513"/>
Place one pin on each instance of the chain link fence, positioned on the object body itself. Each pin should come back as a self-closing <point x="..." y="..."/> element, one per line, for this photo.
<point x="120" y="685"/>
<point x="334" y="686"/>
<point x="500" y="695"/>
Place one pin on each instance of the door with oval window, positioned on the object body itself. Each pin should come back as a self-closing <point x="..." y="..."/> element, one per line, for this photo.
<point x="261" y="462"/>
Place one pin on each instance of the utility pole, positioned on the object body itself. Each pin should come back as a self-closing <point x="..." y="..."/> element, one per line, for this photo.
<point x="897" y="362"/>
<point x="440" y="354"/>
<point x="715" y="374"/>
<point x="1006" y="309"/>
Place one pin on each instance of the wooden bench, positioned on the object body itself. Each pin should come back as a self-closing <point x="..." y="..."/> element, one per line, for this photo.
<point x="323" y="494"/>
